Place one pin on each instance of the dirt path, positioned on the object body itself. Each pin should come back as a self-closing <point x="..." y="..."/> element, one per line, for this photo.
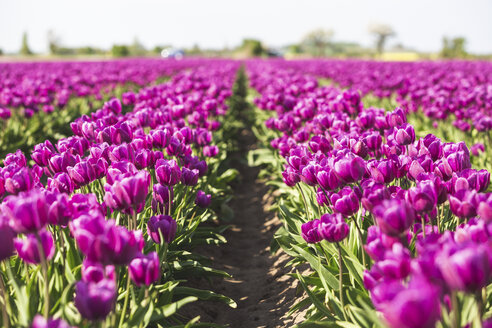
<point x="259" y="284"/>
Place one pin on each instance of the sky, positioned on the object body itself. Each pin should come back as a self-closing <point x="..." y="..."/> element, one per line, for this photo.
<point x="419" y="24"/>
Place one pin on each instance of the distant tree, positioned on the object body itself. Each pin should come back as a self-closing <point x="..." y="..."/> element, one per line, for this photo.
<point x="120" y="51"/>
<point x="137" y="48"/>
<point x="1" y="52"/>
<point x="53" y="42"/>
<point x="382" y="33"/>
<point x="157" y="49"/>
<point x="295" y="49"/>
<point x="318" y="41"/>
<point x="253" y="47"/>
<point x="25" y="50"/>
<point x="454" y="48"/>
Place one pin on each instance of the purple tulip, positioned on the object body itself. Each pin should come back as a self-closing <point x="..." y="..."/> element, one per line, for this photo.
<point x="160" y="138"/>
<point x="346" y="201"/>
<point x="129" y="193"/>
<point x="61" y="183"/>
<point x="327" y="179"/>
<point x="383" y="171"/>
<point x="310" y="232"/>
<point x="27" y="212"/>
<point x="40" y="322"/>
<point x="333" y="228"/>
<point x="95" y="300"/>
<point x="464" y="203"/>
<point x="95" y="272"/>
<point x="416" y="306"/>
<point x="394" y="216"/>
<point x="378" y="243"/>
<point x="202" y="199"/>
<point x="28" y="248"/>
<point x="81" y="204"/>
<point x="373" y="194"/>
<point x="189" y="177"/>
<point x="350" y="168"/>
<point x="465" y="267"/>
<point x="485" y="208"/>
<point x="145" y="269"/>
<point x="290" y="177"/>
<point x="16" y="158"/>
<point x="404" y="134"/>
<point x="161" y="224"/>
<point x="104" y="242"/>
<point x="59" y="212"/>
<point x="22" y="180"/>
<point x="167" y="172"/>
<point x="7" y="237"/>
<point x="210" y="151"/>
<point x="423" y="197"/>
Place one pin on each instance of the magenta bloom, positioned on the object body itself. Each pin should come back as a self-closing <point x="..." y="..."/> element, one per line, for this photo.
<point x="464" y="203"/>
<point x="416" y="306"/>
<point x="7" y="237"/>
<point x="423" y="197"/>
<point x="28" y="211"/>
<point x="333" y="227"/>
<point x="61" y="182"/>
<point x="22" y="180"/>
<point x="163" y="224"/>
<point x="202" y="199"/>
<point x="189" y="177"/>
<point x="404" y="134"/>
<point x="95" y="300"/>
<point x="346" y="201"/>
<point x="350" y="168"/>
<point x="40" y="322"/>
<point x="394" y="216"/>
<point x="95" y="272"/>
<point x="210" y="151"/>
<point x="465" y="267"/>
<point x="310" y="232"/>
<point x="129" y="193"/>
<point x="104" y="242"/>
<point x="28" y="248"/>
<point x="167" y="172"/>
<point x="145" y="269"/>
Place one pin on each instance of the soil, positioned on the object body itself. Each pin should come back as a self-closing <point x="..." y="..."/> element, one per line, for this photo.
<point x="260" y="283"/>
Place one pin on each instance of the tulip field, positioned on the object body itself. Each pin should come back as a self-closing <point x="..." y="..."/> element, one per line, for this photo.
<point x="117" y="180"/>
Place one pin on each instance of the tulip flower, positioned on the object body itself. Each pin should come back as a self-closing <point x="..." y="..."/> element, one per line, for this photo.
<point x="28" y="249"/>
<point x="145" y="269"/>
<point x="95" y="300"/>
<point x="161" y="225"/>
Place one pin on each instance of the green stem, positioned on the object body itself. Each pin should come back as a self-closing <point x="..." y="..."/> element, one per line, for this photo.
<point x="480" y="308"/>
<point x="423" y="224"/>
<point x="340" y="280"/>
<point x="455" y="323"/>
<point x="305" y="202"/>
<point x="359" y="232"/>
<point x="5" y="316"/>
<point x="125" y="303"/>
<point x="44" y="268"/>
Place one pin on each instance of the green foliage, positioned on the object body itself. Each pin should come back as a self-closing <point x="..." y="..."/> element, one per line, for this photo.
<point x="253" y="47"/>
<point x="120" y="51"/>
<point x="25" y="50"/>
<point x="454" y="48"/>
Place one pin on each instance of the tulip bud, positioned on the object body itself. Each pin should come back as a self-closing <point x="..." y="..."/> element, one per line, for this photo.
<point x="95" y="300"/>
<point x="333" y="228"/>
<point x="161" y="225"/>
<point x="28" y="248"/>
<point x="202" y="200"/>
<point x="145" y="269"/>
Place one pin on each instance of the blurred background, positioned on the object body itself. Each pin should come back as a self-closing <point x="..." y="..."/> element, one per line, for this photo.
<point x="383" y="29"/>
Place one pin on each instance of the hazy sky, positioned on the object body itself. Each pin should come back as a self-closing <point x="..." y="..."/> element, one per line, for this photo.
<point x="420" y="24"/>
